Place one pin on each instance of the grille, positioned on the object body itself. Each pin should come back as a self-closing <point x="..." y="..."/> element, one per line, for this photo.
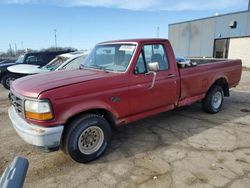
<point x="17" y="102"/>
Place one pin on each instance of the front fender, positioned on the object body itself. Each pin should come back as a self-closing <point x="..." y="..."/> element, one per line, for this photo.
<point x="84" y="107"/>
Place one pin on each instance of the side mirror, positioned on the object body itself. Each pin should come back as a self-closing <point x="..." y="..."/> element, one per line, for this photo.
<point x="153" y="66"/>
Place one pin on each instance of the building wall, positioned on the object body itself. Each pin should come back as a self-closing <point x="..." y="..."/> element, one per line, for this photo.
<point x="239" y="48"/>
<point x="196" y="38"/>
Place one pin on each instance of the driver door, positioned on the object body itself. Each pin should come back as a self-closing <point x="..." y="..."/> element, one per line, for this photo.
<point x="143" y="97"/>
<point x="140" y="95"/>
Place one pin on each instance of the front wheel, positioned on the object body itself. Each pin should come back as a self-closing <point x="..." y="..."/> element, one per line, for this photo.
<point x="8" y="79"/>
<point x="87" y="138"/>
<point x="213" y="101"/>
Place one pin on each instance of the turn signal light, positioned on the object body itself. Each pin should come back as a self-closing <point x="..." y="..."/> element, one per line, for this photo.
<point x="41" y="117"/>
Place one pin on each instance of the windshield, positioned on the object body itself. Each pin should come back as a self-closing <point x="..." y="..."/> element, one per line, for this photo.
<point x="74" y="63"/>
<point x="113" y="57"/>
<point x="20" y="59"/>
<point x="55" y="63"/>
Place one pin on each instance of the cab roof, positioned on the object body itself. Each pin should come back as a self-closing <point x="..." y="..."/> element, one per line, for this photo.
<point x="136" y="40"/>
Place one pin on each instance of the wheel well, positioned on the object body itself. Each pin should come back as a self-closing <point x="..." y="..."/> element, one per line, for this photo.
<point x="101" y="112"/>
<point x="223" y="83"/>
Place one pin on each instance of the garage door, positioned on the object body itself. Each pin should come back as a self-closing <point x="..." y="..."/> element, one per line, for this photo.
<point x="239" y="48"/>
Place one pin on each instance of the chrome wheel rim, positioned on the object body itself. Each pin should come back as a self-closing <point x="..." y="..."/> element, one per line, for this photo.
<point x="91" y="140"/>
<point x="217" y="99"/>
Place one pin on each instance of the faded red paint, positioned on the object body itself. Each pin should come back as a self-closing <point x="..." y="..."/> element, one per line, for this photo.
<point x="77" y="91"/>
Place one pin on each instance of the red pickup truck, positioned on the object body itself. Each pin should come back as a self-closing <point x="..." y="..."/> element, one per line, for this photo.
<point x="118" y="83"/>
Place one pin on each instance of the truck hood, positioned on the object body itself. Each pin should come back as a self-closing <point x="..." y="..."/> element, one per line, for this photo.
<point x="32" y="86"/>
<point x="26" y="69"/>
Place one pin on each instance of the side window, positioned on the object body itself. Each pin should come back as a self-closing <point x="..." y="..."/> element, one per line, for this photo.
<point x="156" y="53"/>
<point x="34" y="59"/>
<point x="31" y="59"/>
<point x="140" y="66"/>
<point x="40" y="58"/>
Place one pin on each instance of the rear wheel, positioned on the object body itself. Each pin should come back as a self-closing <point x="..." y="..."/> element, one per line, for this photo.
<point x="7" y="79"/>
<point x="213" y="101"/>
<point x="87" y="138"/>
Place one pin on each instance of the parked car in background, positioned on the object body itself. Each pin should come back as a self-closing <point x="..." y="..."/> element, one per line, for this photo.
<point x="8" y="61"/>
<point x="66" y="61"/>
<point x="119" y="82"/>
<point x="34" y="58"/>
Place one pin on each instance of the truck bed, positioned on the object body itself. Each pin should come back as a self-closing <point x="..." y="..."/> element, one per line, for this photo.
<point x="206" y="60"/>
<point x="195" y="81"/>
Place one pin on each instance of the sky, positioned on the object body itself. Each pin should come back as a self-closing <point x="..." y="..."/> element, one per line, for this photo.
<point x="83" y="23"/>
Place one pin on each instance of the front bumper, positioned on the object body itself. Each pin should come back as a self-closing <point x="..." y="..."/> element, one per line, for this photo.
<point x="47" y="138"/>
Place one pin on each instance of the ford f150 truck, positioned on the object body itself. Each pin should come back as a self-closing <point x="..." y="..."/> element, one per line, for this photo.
<point x="118" y="83"/>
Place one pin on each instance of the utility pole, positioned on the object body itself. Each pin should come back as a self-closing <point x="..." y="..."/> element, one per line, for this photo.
<point x="15" y="49"/>
<point x="158" y="32"/>
<point x="249" y="5"/>
<point x="55" y="38"/>
<point x="10" y="46"/>
<point x="10" y="49"/>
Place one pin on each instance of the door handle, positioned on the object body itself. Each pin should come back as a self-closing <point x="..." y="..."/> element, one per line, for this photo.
<point x="171" y="75"/>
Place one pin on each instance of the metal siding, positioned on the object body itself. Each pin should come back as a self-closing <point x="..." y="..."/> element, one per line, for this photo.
<point x="221" y="27"/>
<point x="207" y="39"/>
<point x="248" y="24"/>
<point x="176" y="39"/>
<point x="173" y="38"/>
<point x="184" y="39"/>
<point x="171" y="35"/>
<point x="241" y="29"/>
<point x="195" y="39"/>
<point x="179" y="39"/>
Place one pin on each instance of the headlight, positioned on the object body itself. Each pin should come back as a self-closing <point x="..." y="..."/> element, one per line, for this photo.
<point x="38" y="110"/>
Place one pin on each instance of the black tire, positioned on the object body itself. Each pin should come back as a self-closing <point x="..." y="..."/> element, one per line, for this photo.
<point x="76" y="130"/>
<point x="212" y="103"/>
<point x="6" y="80"/>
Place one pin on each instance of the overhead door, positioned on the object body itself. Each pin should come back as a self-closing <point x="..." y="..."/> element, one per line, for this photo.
<point x="239" y="48"/>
